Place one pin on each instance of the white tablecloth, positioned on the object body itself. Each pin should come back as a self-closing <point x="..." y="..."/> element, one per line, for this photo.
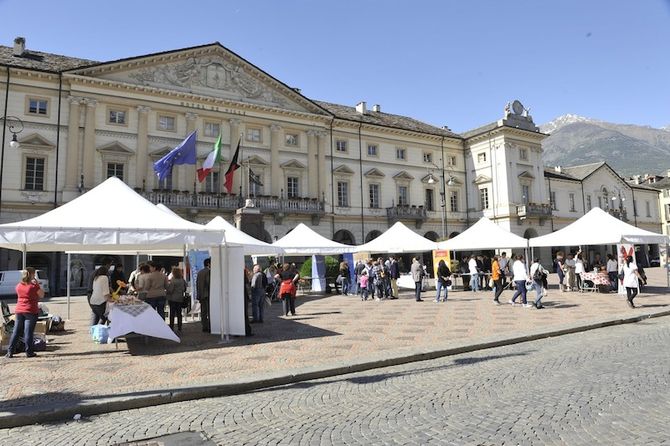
<point x="138" y="318"/>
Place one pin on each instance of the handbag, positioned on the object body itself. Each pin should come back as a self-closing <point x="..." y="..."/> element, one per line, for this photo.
<point x="448" y="282"/>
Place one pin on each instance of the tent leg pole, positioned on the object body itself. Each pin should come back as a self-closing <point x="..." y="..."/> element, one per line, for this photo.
<point x="23" y="257"/>
<point x="68" y="285"/>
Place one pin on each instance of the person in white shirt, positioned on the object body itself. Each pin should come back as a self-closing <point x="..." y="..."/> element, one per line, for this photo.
<point x="612" y="268"/>
<point x="538" y="273"/>
<point x="520" y="278"/>
<point x="474" y="277"/>
<point x="570" y="271"/>
<point x="631" y="278"/>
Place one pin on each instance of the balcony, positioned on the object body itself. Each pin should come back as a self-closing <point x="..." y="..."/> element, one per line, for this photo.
<point x="406" y="212"/>
<point x="276" y="206"/>
<point x="534" y="210"/>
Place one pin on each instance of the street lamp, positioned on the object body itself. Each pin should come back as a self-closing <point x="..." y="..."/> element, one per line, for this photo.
<point x="15" y="126"/>
<point x="443" y="200"/>
<point x="621" y="199"/>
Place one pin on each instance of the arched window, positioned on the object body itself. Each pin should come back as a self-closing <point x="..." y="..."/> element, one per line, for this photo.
<point x="431" y="235"/>
<point x="372" y="235"/>
<point x="344" y="236"/>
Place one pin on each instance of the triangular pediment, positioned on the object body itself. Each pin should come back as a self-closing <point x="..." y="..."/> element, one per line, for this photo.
<point x="159" y="153"/>
<point x="481" y="179"/>
<point x="403" y="175"/>
<point x="208" y="70"/>
<point x="527" y="175"/>
<point x="374" y="173"/>
<point x="115" y="147"/>
<point x="343" y="170"/>
<point x="255" y="160"/>
<point x="35" y="141"/>
<point x="293" y="164"/>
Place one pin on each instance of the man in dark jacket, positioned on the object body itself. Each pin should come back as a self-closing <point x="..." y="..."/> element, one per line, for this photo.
<point x="202" y="287"/>
<point x="394" y="273"/>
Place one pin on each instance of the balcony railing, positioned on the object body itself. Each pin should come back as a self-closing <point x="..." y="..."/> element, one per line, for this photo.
<point x="406" y="212"/>
<point x="530" y="210"/>
<point x="224" y="202"/>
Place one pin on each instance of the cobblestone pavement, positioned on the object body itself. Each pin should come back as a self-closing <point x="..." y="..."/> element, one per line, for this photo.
<point x="326" y="332"/>
<point x="608" y="386"/>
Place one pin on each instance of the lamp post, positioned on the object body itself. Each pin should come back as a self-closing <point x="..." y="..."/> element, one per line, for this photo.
<point x="15" y="126"/>
<point x="621" y="200"/>
<point x="443" y="199"/>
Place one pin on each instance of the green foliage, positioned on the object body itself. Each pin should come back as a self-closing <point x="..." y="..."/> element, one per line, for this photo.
<point x="332" y="267"/>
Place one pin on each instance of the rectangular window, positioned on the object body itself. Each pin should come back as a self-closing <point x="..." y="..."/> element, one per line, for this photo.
<point x="453" y="201"/>
<point x="588" y="202"/>
<point x="291" y="139"/>
<point x="427" y="157"/>
<point x="254" y="135"/>
<point x="34" y="178"/>
<point x="373" y="150"/>
<point x="400" y="153"/>
<point x="212" y="183"/>
<point x="553" y="200"/>
<point x="38" y="106"/>
<point x="430" y="200"/>
<point x="647" y="206"/>
<point x="525" y="193"/>
<point x="374" y="196"/>
<point x="115" y="170"/>
<point x="117" y="117"/>
<point x="166" y="123"/>
<point x="572" y="203"/>
<point x="600" y="202"/>
<point x="481" y="158"/>
<point x="666" y="193"/>
<point x="342" y="194"/>
<point x="340" y="145"/>
<point x="523" y="154"/>
<point x="403" y="196"/>
<point x="292" y="190"/>
<point x="451" y="161"/>
<point x="212" y="129"/>
<point x="484" y="198"/>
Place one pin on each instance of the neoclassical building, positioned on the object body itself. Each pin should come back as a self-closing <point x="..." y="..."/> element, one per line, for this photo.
<point x="348" y="171"/>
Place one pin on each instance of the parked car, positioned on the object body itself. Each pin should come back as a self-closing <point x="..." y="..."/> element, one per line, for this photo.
<point x="9" y="279"/>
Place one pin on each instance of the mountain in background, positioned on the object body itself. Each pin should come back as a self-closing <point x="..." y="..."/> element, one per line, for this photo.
<point x="628" y="149"/>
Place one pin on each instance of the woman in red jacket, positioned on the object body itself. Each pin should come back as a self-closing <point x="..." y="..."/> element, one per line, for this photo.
<point x="28" y="292"/>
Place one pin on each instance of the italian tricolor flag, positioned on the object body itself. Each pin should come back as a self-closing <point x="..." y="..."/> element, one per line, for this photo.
<point x="213" y="158"/>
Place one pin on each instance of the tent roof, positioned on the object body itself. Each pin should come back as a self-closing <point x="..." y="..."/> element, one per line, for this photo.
<point x="398" y="239"/>
<point x="484" y="234"/>
<point x="303" y="240"/>
<point x="90" y="223"/>
<point x="598" y="227"/>
<point x="236" y="237"/>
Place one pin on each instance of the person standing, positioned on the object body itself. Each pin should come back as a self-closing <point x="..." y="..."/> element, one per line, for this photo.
<point x="155" y="284"/>
<point x="538" y="273"/>
<point x="287" y="289"/>
<point x="443" y="274"/>
<point x="612" y="268"/>
<point x="520" y="277"/>
<point x="631" y="279"/>
<point x="560" y="270"/>
<point x="474" y="274"/>
<point x="175" y="295"/>
<point x="363" y="284"/>
<point x="417" y="276"/>
<point x="358" y="270"/>
<point x="570" y="271"/>
<point x="579" y="270"/>
<point x="99" y="295"/>
<point x="202" y="287"/>
<point x="28" y="293"/>
<point x="345" y="273"/>
<point x="257" y="295"/>
<point x="503" y="261"/>
<point x="497" y="277"/>
<point x="394" y="273"/>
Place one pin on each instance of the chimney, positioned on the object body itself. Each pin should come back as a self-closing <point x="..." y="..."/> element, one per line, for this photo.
<point x="558" y="169"/>
<point x="636" y="179"/>
<point x="297" y="90"/>
<point x="19" y="46"/>
<point x="377" y="108"/>
<point x="668" y="173"/>
<point x="361" y="108"/>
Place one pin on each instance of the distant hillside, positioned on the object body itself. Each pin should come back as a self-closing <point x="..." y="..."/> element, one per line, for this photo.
<point x="628" y="149"/>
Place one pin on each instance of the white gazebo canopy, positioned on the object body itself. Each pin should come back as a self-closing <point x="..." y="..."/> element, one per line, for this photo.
<point x="484" y="234"/>
<point x="304" y="241"/>
<point x="234" y="236"/>
<point x="398" y="239"/>
<point x="598" y="227"/>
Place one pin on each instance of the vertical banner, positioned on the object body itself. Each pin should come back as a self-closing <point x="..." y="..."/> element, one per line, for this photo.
<point x="623" y="250"/>
<point x="349" y="258"/>
<point x="440" y="254"/>
<point x="318" y="274"/>
<point x="196" y="260"/>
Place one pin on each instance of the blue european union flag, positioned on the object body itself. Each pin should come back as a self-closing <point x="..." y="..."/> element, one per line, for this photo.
<point x="184" y="153"/>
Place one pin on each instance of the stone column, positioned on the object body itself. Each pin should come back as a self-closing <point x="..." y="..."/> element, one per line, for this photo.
<point x="89" y="144"/>
<point x="321" y="164"/>
<point x="141" y="153"/>
<point x="188" y="169"/>
<point x="313" y="172"/>
<point x="72" y="157"/>
<point x="275" y="170"/>
<point x="234" y="138"/>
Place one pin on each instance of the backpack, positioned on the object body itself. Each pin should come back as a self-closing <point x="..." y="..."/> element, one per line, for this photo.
<point x="538" y="275"/>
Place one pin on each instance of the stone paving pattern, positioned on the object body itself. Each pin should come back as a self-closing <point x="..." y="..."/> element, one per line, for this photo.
<point x="326" y="331"/>
<point x="602" y="387"/>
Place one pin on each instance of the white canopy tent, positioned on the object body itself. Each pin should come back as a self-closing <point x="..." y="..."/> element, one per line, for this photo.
<point x="484" y="234"/>
<point x="304" y="241"/>
<point x="398" y="239"/>
<point x="598" y="227"/>
<point x="88" y="224"/>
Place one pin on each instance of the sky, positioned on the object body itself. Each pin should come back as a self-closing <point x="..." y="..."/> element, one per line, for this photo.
<point x="444" y="62"/>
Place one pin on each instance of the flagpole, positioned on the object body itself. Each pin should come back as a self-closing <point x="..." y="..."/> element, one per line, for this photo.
<point x="242" y="163"/>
